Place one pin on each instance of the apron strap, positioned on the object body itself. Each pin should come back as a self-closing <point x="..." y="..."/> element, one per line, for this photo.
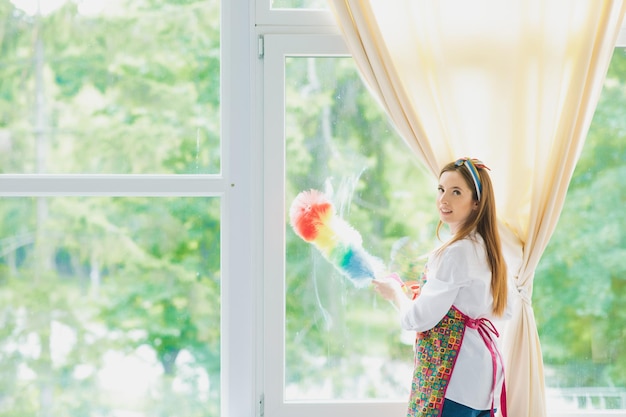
<point x="487" y="331"/>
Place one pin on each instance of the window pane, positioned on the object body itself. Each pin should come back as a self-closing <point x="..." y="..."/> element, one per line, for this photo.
<point x="300" y="4"/>
<point x="117" y="87"/>
<point x="344" y="342"/>
<point x="110" y="306"/>
<point x="580" y="285"/>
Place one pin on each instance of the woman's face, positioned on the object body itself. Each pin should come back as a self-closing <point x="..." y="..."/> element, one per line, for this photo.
<point x="455" y="200"/>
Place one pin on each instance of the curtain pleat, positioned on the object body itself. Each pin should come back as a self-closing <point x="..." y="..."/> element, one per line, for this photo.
<point x="513" y="83"/>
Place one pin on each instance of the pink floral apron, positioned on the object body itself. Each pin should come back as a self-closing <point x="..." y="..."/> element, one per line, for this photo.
<point x="436" y="351"/>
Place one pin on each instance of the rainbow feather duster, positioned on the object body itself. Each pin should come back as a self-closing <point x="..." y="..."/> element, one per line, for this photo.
<point x="314" y="219"/>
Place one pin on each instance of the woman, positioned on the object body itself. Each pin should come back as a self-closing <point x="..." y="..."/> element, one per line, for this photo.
<point x="458" y="367"/>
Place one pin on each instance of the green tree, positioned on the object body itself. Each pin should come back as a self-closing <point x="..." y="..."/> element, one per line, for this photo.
<point x="129" y="91"/>
<point x="581" y="279"/>
<point x="339" y="141"/>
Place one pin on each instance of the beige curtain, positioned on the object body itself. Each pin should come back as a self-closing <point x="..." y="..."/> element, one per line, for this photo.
<point x="514" y="83"/>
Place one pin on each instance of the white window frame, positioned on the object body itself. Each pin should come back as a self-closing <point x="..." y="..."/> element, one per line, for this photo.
<point x="266" y="16"/>
<point x="241" y="227"/>
<point x="233" y="186"/>
<point x="240" y="186"/>
<point x="283" y="33"/>
<point x="276" y="48"/>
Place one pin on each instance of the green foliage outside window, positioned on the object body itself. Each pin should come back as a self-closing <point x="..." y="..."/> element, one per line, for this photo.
<point x="138" y="92"/>
<point x="110" y="305"/>
<point x="339" y="141"/>
<point x="580" y="286"/>
<point x="131" y="90"/>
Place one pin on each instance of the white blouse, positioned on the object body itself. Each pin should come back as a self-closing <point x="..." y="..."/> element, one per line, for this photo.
<point x="460" y="276"/>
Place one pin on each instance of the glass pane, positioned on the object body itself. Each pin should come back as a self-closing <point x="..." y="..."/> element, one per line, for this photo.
<point x="113" y="87"/>
<point x="300" y="4"/>
<point x="110" y="307"/>
<point x="343" y="342"/>
<point x="580" y="285"/>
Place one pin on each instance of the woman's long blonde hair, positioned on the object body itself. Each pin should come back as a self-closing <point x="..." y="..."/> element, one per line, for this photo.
<point x="484" y="221"/>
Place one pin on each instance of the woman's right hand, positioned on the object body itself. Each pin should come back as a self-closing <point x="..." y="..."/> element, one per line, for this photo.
<point x="389" y="288"/>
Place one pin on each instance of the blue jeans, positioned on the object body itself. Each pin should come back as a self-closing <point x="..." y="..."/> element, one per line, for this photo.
<point x="452" y="409"/>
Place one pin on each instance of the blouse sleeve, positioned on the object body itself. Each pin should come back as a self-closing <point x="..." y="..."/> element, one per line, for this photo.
<point x="512" y="299"/>
<point x="438" y="294"/>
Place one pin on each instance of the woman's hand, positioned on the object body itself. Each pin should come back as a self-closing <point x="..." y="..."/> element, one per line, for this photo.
<point x="388" y="288"/>
<point x="392" y="288"/>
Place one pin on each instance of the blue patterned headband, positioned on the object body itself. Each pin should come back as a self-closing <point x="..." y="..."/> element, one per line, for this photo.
<point x="473" y="165"/>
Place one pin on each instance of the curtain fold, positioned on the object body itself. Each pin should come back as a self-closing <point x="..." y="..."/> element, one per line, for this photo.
<point x="513" y="83"/>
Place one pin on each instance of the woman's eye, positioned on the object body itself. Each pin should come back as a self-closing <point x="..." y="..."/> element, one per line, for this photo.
<point x="440" y="189"/>
<point x="456" y="192"/>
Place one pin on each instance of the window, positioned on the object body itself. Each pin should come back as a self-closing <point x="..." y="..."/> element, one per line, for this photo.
<point x="109" y="304"/>
<point x="113" y="199"/>
<point x="143" y="156"/>
<point x="326" y="340"/>
<point x="84" y="81"/>
<point x="299" y="4"/>
<point x="322" y="340"/>
<point x="580" y="288"/>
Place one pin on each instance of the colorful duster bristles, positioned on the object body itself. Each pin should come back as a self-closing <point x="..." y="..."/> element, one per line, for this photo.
<point x="314" y="219"/>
